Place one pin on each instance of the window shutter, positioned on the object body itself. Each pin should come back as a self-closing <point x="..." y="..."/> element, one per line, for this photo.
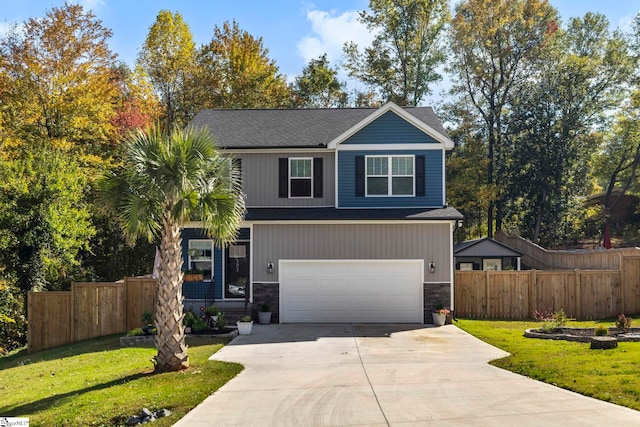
<point x="359" y="176"/>
<point x="420" y="178"/>
<point x="283" y="177"/>
<point x="317" y="177"/>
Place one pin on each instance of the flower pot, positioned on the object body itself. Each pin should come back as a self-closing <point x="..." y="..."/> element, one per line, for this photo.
<point x="439" y="318"/>
<point x="264" y="317"/>
<point x="244" y="328"/>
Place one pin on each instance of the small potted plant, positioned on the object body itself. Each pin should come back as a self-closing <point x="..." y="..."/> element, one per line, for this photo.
<point x="245" y="324"/>
<point x="147" y="321"/>
<point x="211" y="314"/>
<point x="189" y="320"/>
<point x="440" y="315"/>
<point x="264" y="314"/>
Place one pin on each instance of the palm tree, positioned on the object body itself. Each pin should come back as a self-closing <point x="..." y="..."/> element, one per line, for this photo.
<point x="163" y="182"/>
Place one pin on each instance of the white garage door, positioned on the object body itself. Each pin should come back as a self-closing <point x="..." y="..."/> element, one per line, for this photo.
<point x="351" y="291"/>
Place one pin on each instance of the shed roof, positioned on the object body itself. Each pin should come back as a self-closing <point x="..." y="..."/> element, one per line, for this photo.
<point x="486" y="247"/>
<point x="291" y="128"/>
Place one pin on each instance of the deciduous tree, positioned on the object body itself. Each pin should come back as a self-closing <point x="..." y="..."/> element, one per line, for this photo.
<point x="59" y="73"/>
<point x="493" y="42"/>
<point x="234" y="71"/>
<point x="319" y="86"/>
<point x="403" y="59"/>
<point x="167" y="56"/>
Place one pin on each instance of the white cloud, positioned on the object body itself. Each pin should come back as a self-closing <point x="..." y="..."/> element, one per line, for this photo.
<point x="91" y="4"/>
<point x="330" y="32"/>
<point x="626" y="22"/>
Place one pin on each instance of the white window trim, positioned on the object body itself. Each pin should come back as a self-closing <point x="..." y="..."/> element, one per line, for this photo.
<point x="190" y="259"/>
<point x="289" y="178"/>
<point x="389" y="176"/>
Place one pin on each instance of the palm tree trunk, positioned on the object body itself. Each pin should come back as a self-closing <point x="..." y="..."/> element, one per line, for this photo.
<point x="170" y="340"/>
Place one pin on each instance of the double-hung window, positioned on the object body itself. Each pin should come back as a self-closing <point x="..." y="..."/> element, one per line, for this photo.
<point x="390" y="176"/>
<point x="301" y="177"/>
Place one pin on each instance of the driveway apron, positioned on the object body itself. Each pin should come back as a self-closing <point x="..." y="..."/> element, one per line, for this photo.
<point x="385" y="375"/>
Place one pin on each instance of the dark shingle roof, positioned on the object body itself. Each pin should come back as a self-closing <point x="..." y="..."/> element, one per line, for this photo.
<point x="301" y="214"/>
<point x="291" y="128"/>
<point x="484" y="247"/>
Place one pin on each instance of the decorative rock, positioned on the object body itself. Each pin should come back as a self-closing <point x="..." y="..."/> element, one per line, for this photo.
<point x="133" y="421"/>
<point x="603" y="343"/>
<point x="163" y="413"/>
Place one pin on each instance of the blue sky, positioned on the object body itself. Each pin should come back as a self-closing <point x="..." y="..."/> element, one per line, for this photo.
<point x="294" y="31"/>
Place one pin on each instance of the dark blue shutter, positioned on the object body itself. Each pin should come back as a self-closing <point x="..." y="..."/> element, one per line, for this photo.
<point x="317" y="177"/>
<point x="420" y="178"/>
<point x="360" y="176"/>
<point x="283" y="177"/>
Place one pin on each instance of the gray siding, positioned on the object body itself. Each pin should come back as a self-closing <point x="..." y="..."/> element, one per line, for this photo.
<point x="431" y="242"/>
<point x="433" y="197"/>
<point x="260" y="180"/>
<point x="389" y="129"/>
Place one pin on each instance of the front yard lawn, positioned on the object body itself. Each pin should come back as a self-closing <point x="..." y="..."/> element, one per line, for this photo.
<point x="610" y="375"/>
<point x="95" y="382"/>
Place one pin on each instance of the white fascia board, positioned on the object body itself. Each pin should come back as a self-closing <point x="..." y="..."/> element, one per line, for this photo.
<point x="275" y="150"/>
<point x="390" y="106"/>
<point x="351" y="221"/>
<point x="246" y="224"/>
<point x="391" y="147"/>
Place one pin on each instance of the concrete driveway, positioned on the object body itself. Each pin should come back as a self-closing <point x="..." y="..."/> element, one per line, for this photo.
<point x="385" y="375"/>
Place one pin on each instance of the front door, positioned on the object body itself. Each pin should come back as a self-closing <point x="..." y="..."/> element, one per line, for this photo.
<point x="236" y="277"/>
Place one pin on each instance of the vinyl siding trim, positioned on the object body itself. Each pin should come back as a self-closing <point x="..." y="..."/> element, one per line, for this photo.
<point x="390" y="146"/>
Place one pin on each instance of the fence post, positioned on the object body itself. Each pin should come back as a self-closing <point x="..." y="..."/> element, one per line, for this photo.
<point x="533" y="294"/>
<point x="578" y="297"/>
<point x="487" y="295"/>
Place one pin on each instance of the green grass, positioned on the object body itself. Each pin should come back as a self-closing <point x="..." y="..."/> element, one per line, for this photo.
<point x="96" y="383"/>
<point x="610" y="375"/>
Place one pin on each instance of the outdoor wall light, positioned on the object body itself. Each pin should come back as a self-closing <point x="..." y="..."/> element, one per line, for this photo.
<point x="270" y="267"/>
<point x="432" y="267"/>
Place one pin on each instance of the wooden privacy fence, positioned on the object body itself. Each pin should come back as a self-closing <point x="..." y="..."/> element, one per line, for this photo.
<point x="582" y="294"/>
<point x="544" y="259"/>
<point x="88" y="310"/>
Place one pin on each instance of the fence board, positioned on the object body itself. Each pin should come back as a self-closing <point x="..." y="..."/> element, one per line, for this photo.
<point x="99" y="309"/>
<point x="631" y="284"/>
<point x="517" y="294"/>
<point x="142" y="295"/>
<point x="51" y="315"/>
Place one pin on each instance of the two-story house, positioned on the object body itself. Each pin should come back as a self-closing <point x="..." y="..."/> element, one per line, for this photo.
<point x="346" y="215"/>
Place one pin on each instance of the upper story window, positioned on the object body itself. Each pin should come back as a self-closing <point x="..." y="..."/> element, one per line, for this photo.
<point x="390" y="176"/>
<point x="300" y="177"/>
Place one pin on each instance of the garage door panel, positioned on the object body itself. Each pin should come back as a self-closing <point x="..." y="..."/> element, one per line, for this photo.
<point x="357" y="291"/>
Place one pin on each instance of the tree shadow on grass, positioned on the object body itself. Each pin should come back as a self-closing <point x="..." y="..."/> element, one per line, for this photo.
<point x="43" y="404"/>
<point x="93" y="345"/>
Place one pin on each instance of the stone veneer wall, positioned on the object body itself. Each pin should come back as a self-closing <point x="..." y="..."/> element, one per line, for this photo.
<point x="267" y="293"/>
<point x="435" y="294"/>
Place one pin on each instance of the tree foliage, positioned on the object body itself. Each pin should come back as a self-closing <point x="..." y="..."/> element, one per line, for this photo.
<point x="167" y="56"/>
<point x="576" y="80"/>
<point x="319" y="86"/>
<point x="59" y="74"/>
<point x="234" y="71"/>
<point x="402" y="61"/>
<point x="44" y="224"/>
<point x="493" y="42"/>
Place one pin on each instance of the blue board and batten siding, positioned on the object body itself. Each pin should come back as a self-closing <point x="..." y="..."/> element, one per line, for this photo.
<point x="389" y="129"/>
<point x="433" y="181"/>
